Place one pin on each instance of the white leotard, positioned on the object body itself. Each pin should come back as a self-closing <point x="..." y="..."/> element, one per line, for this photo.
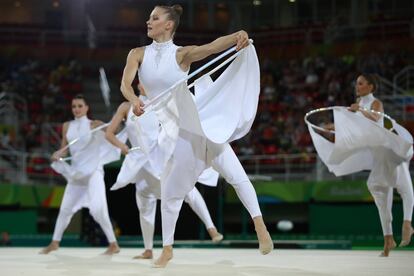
<point x="159" y="69"/>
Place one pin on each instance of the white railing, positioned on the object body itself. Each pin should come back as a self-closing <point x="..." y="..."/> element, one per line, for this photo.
<point x="388" y="88"/>
<point x="290" y="167"/>
<point x="25" y="168"/>
<point x="405" y="79"/>
<point x="396" y="98"/>
<point x="13" y="166"/>
<point x="51" y="137"/>
<point x="13" y="113"/>
<point x="12" y="104"/>
<point x="286" y="167"/>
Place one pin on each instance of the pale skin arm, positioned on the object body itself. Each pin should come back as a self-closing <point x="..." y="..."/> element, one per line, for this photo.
<point x="376" y="106"/>
<point x="121" y="114"/>
<point x="189" y="54"/>
<point x="133" y="62"/>
<point x="61" y="153"/>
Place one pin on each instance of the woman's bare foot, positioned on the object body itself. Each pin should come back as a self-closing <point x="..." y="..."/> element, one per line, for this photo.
<point x="215" y="236"/>
<point x="407" y="232"/>
<point x="166" y="256"/>
<point x="263" y="236"/>
<point x="389" y="244"/>
<point x="113" y="248"/>
<point x="146" y="255"/>
<point x="54" y="245"/>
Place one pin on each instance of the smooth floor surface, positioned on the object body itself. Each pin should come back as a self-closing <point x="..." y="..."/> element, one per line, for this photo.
<point x="209" y="262"/>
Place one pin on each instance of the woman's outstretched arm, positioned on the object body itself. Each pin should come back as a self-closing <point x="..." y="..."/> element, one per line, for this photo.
<point x="189" y="54"/>
<point x="120" y="115"/>
<point x="130" y="71"/>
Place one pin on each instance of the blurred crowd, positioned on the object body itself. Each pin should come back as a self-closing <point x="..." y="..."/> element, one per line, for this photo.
<point x="47" y="88"/>
<point x="289" y="89"/>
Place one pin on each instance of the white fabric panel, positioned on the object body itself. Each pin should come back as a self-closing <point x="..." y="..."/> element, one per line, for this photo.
<point x="358" y="141"/>
<point x="208" y="114"/>
<point x="209" y="177"/>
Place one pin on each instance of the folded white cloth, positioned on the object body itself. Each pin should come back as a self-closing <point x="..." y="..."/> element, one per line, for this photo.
<point x="209" y="177"/>
<point x="92" y="157"/>
<point x="358" y="141"/>
<point x="221" y="111"/>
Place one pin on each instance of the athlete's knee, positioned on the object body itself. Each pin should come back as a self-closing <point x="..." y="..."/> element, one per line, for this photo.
<point x="191" y="196"/>
<point x="171" y="205"/>
<point x="240" y="184"/>
<point x="377" y="190"/>
<point x="147" y="210"/>
<point x="98" y="214"/>
<point x="187" y="199"/>
<point x="67" y="212"/>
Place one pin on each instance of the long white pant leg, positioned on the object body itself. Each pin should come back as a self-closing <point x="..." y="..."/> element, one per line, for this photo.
<point x="98" y="207"/>
<point x="178" y="179"/>
<point x="147" y="206"/>
<point x="71" y="198"/>
<point x="405" y="189"/>
<point x="229" y="166"/>
<point x="383" y="197"/>
<point x="198" y="205"/>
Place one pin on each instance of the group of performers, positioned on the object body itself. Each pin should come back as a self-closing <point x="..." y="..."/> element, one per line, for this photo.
<point x="183" y="139"/>
<point x="168" y="159"/>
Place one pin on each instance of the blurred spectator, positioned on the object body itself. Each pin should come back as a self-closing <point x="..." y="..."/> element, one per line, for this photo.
<point x="5" y="239"/>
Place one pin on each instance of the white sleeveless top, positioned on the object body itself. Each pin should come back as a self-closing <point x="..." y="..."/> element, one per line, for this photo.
<point x="159" y="68"/>
<point x="366" y="102"/>
<point x="78" y="128"/>
<point x="85" y="152"/>
<point x="145" y="127"/>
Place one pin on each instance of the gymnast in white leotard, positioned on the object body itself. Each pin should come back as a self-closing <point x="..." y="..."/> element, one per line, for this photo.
<point x="89" y="190"/>
<point x="160" y="65"/>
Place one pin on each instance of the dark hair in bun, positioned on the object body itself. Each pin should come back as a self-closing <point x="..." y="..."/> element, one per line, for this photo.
<point x="371" y="79"/>
<point x="174" y="13"/>
<point x="80" y="97"/>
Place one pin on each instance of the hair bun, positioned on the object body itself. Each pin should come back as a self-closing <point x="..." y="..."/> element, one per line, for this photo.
<point x="178" y="9"/>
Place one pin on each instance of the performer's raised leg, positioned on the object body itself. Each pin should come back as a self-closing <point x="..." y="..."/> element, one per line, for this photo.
<point x="228" y="165"/>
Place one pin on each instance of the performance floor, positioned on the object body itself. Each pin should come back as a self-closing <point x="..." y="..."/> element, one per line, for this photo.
<point x="208" y="262"/>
